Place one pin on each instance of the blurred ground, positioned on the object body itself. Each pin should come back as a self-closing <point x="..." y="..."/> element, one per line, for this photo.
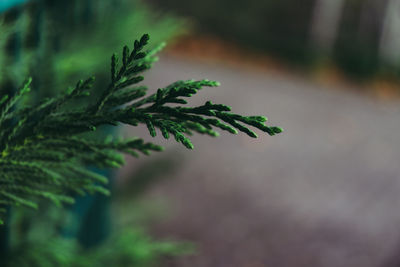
<point x="324" y="193"/>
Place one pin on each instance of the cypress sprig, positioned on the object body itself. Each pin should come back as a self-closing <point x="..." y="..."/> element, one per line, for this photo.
<point x="43" y="154"/>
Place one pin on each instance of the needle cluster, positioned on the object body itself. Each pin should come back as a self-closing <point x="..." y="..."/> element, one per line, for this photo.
<point x="45" y="149"/>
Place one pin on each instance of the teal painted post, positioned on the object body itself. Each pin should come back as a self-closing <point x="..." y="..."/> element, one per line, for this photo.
<point x="7" y="4"/>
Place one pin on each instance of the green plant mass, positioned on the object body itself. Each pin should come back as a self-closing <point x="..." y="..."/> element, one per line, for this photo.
<point x="46" y="148"/>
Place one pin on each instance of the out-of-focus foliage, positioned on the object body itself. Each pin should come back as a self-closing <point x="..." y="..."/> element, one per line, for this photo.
<point x="37" y="242"/>
<point x="51" y="33"/>
<point x="12" y="62"/>
<point x="111" y="28"/>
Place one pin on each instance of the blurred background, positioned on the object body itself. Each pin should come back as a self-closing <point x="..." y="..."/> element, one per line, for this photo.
<point x="323" y="193"/>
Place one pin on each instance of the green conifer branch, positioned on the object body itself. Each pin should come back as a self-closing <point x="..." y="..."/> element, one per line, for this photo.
<point x="43" y="152"/>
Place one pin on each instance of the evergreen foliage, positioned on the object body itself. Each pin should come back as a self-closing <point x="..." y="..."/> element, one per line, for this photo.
<point x="37" y="242"/>
<point x="125" y="248"/>
<point x="44" y="152"/>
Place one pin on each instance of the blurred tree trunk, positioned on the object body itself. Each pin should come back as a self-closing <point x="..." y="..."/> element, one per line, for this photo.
<point x="371" y="20"/>
<point x="325" y="24"/>
<point x="356" y="49"/>
<point x="390" y="39"/>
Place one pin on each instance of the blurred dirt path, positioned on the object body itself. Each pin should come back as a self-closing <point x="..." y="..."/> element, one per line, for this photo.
<point x="324" y="193"/>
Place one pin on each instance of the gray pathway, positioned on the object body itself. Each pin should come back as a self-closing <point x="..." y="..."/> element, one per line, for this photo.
<point x="324" y="193"/>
